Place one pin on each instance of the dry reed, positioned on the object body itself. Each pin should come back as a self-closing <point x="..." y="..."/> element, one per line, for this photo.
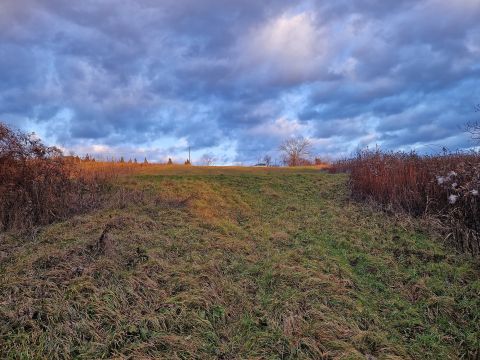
<point x="446" y="186"/>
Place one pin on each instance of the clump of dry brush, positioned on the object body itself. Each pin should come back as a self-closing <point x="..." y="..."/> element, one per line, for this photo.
<point x="446" y="186"/>
<point x="37" y="184"/>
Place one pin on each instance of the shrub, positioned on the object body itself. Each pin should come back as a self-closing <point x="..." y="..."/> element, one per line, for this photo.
<point x="37" y="184"/>
<point x="445" y="186"/>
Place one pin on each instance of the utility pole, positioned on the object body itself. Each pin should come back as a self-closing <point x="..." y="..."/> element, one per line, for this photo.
<point x="189" y="159"/>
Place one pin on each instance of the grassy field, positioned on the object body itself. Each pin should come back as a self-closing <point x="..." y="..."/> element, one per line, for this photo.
<point x="218" y="263"/>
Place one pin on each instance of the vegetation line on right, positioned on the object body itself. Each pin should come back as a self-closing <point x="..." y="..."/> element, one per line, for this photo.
<point x="445" y="186"/>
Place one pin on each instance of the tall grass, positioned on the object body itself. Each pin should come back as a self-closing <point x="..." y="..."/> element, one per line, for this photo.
<point x="446" y="186"/>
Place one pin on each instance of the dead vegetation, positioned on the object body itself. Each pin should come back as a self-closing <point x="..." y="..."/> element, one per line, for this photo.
<point x="445" y="186"/>
<point x="38" y="185"/>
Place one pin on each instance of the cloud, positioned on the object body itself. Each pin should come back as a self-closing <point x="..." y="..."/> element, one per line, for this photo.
<point x="286" y="50"/>
<point x="280" y="128"/>
<point x="236" y="77"/>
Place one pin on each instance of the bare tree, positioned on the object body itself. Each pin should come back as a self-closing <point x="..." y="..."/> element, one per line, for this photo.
<point x="296" y="151"/>
<point x="207" y="159"/>
<point x="474" y="127"/>
<point x="267" y="160"/>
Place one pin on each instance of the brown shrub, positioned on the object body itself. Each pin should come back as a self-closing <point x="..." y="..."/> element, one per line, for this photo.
<point x="37" y="184"/>
<point x="446" y="186"/>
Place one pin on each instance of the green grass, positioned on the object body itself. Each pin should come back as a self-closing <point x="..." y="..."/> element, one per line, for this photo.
<point x="234" y="264"/>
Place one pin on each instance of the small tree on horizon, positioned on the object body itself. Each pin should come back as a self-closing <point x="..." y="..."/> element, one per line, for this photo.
<point x="170" y="162"/>
<point x="267" y="160"/>
<point x="207" y="159"/>
<point x="296" y="151"/>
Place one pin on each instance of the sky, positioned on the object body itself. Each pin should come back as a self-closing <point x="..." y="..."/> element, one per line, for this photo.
<point x="233" y="79"/>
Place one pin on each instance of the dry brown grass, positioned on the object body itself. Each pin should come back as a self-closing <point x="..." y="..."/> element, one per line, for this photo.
<point x="116" y="169"/>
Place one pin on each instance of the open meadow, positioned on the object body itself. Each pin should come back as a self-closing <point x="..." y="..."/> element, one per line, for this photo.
<point x="187" y="262"/>
<point x="240" y="180"/>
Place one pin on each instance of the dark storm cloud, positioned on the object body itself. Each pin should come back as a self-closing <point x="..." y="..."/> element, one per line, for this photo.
<point x="240" y="76"/>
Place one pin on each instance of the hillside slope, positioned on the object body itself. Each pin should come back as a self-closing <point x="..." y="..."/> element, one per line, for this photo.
<point x="234" y="265"/>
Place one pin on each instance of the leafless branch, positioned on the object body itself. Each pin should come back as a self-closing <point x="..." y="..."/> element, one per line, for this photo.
<point x="296" y="151"/>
